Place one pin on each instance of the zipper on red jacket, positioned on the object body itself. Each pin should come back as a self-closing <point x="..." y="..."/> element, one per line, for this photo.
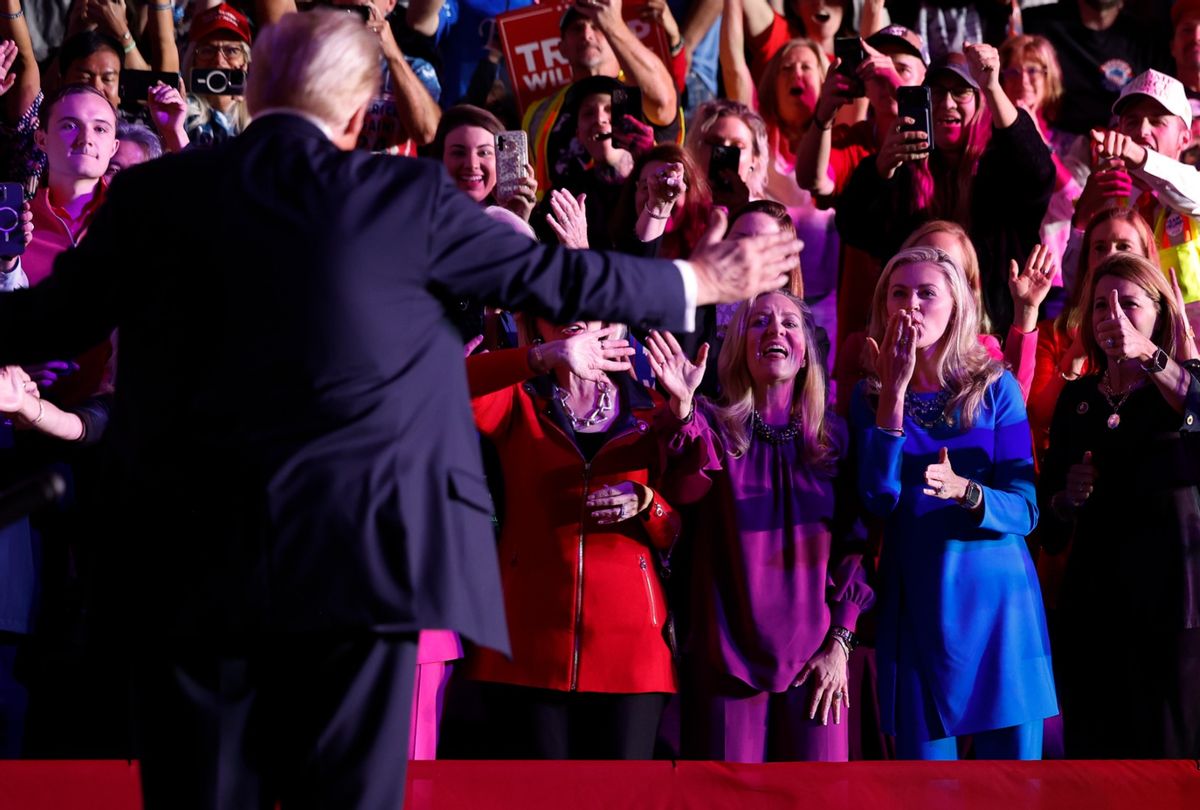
<point x="587" y="468"/>
<point x="649" y="590"/>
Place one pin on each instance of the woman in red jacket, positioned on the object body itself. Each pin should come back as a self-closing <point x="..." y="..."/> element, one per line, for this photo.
<point x="582" y="447"/>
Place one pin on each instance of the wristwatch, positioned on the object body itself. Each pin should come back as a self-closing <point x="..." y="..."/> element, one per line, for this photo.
<point x="1156" y="363"/>
<point x="972" y="497"/>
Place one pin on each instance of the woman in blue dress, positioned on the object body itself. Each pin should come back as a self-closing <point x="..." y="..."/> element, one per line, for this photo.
<point x="944" y="458"/>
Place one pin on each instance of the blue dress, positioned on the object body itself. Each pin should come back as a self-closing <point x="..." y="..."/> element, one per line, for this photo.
<point x="962" y="644"/>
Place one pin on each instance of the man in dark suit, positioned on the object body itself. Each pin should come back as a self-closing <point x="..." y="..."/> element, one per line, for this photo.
<point x="299" y="474"/>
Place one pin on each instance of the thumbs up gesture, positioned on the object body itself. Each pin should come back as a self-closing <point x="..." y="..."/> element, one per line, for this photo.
<point x="942" y="482"/>
<point x="1081" y="480"/>
<point x="1118" y="336"/>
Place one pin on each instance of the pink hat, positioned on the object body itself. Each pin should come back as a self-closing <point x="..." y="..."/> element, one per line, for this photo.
<point x="1166" y="90"/>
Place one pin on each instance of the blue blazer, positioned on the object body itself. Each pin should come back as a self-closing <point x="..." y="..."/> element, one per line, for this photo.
<point x="295" y="443"/>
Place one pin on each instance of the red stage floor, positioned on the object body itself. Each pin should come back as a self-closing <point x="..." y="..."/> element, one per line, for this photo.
<point x="676" y="786"/>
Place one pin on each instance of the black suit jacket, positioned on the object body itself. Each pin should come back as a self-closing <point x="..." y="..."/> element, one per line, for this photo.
<point x="295" y="439"/>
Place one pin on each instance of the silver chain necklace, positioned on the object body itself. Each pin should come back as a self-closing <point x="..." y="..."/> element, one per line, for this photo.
<point x="603" y="406"/>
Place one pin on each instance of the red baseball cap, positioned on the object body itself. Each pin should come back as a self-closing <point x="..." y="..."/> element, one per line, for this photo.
<point x="220" y="19"/>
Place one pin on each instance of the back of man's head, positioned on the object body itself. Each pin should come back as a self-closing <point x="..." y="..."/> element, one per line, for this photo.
<point x="322" y="62"/>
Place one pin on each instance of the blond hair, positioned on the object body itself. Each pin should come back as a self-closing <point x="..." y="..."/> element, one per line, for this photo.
<point x="963" y="365"/>
<point x="734" y="411"/>
<point x="322" y="62"/>
<point x="970" y="263"/>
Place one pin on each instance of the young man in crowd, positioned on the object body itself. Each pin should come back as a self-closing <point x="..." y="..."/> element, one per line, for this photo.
<point x="597" y="42"/>
<point x="1153" y="130"/>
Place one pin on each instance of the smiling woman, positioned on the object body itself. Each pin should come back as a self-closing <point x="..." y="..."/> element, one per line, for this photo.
<point x="777" y="582"/>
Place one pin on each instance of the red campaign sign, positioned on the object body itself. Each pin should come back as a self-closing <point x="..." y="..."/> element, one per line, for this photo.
<point x="530" y="37"/>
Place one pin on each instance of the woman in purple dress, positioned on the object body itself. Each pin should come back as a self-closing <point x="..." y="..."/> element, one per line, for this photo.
<point x="776" y="592"/>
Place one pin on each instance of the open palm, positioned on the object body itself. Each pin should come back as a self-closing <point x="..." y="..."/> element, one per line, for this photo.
<point x="679" y="376"/>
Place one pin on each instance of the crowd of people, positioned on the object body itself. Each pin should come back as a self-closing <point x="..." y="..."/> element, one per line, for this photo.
<point x="904" y="506"/>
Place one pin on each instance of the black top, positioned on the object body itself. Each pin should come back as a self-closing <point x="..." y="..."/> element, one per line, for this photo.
<point x="1009" y="197"/>
<point x="1135" y="555"/>
<point x="1096" y="64"/>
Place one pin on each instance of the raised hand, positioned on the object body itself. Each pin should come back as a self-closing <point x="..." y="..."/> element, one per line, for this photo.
<point x="1186" y="339"/>
<point x="589" y="355"/>
<point x="983" y="61"/>
<point x="1119" y="338"/>
<point x="524" y="198"/>
<point x="679" y="376"/>
<point x="1110" y="144"/>
<point x="8" y="57"/>
<point x="568" y="219"/>
<point x="1030" y="286"/>
<point x="942" y="482"/>
<point x="896" y="360"/>
<point x="635" y="136"/>
<point x="734" y="270"/>
<point x="901" y="146"/>
<point x="1104" y="187"/>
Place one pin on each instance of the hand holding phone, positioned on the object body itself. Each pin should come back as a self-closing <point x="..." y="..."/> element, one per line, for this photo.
<point x="16" y="221"/>
<point x="912" y="136"/>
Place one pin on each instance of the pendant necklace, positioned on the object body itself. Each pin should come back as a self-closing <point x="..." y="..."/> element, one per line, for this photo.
<point x="1115" y="400"/>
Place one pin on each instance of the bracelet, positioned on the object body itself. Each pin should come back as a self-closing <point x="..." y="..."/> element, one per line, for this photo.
<point x="890" y="431"/>
<point x="646" y="208"/>
<point x="163" y="6"/>
<point x="130" y="48"/>
<point x="1068" y="377"/>
<point x="678" y="46"/>
<point x="536" y="361"/>
<point x="41" y="412"/>
<point x="847" y="639"/>
<point x="824" y="126"/>
<point x="18" y="14"/>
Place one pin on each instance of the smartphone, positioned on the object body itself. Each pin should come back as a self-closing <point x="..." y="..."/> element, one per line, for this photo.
<point x="218" y="82"/>
<point x="626" y="101"/>
<point x="723" y="166"/>
<point x="917" y="104"/>
<point x="12" y="235"/>
<point x="512" y="156"/>
<point x="135" y="84"/>
<point x="727" y="186"/>
<point x="851" y="52"/>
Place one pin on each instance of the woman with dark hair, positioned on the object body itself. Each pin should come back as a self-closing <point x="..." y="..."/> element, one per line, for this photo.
<point x="1120" y="487"/>
<point x="1060" y="351"/>
<point x="944" y="460"/>
<point x="988" y="170"/>
<point x="777" y="583"/>
<point x="664" y="207"/>
<point x="465" y="142"/>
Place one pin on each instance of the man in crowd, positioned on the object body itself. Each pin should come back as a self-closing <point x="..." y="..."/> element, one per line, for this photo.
<point x="301" y="486"/>
<point x="1101" y="48"/>
<point x="597" y="42"/>
<point x="1153" y="130"/>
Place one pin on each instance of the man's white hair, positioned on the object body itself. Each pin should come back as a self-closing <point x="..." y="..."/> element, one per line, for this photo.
<point x="323" y="62"/>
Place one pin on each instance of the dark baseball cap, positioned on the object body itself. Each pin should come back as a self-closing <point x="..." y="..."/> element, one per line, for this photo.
<point x="910" y="41"/>
<point x="954" y="63"/>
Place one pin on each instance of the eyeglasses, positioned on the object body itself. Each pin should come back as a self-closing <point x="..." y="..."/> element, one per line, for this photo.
<point x="960" y="94"/>
<point x="1031" y="72"/>
<point x="234" y="54"/>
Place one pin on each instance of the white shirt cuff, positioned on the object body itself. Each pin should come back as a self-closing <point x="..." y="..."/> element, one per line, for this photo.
<point x="688" y="276"/>
<point x="14" y="279"/>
